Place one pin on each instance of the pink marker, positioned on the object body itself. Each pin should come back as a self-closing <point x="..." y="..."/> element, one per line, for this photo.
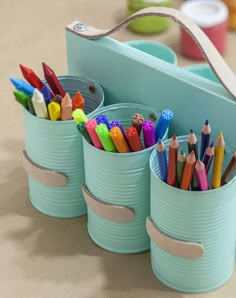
<point x="91" y="126"/>
<point x="201" y="175"/>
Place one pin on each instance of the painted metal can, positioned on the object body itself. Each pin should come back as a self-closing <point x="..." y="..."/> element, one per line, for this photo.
<point x="118" y="187"/>
<point x="53" y="155"/>
<point x="192" y="232"/>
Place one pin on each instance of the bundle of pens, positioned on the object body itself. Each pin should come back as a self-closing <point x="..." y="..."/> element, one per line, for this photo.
<point x="51" y="103"/>
<point x="113" y="137"/>
<point x="192" y="172"/>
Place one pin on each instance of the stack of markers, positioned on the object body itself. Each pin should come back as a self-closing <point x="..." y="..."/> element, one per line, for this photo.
<point x="189" y="171"/>
<point x="38" y="99"/>
<point x="113" y="137"/>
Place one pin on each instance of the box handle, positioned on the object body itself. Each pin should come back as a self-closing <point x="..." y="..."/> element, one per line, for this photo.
<point x="108" y="211"/>
<point x="42" y="174"/>
<point x="216" y="61"/>
<point x="179" y="248"/>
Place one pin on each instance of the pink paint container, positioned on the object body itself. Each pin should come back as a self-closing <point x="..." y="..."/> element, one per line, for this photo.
<point x="212" y="17"/>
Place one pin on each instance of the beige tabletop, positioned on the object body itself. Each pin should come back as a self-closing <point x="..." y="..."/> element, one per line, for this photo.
<point x="43" y="256"/>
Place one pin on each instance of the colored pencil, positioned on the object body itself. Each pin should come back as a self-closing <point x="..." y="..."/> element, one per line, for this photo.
<point x="208" y="156"/>
<point x="172" y="161"/>
<point x="162" y="159"/>
<point x="205" y="138"/>
<point x="218" y="161"/>
<point x="230" y="170"/>
<point x="192" y="143"/>
<point x="201" y="175"/>
<point x="181" y="159"/>
<point x="188" y="171"/>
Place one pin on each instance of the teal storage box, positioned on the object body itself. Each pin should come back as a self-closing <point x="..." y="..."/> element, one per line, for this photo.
<point x="192" y="232"/>
<point x="53" y="156"/>
<point x="117" y="188"/>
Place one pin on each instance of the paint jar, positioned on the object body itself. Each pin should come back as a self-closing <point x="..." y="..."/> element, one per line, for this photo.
<point x="53" y="156"/>
<point x="117" y="189"/>
<point x="154" y="49"/>
<point x="211" y="17"/>
<point x="232" y="13"/>
<point x="192" y="232"/>
<point x="148" y="24"/>
<point x="203" y="70"/>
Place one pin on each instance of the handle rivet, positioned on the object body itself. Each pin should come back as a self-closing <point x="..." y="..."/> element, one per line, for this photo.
<point x="80" y="27"/>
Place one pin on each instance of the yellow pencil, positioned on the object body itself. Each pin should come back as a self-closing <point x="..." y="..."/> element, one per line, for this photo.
<point x="218" y="161"/>
<point x="54" y="110"/>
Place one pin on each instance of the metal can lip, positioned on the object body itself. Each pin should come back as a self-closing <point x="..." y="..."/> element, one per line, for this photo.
<point x="205" y="13"/>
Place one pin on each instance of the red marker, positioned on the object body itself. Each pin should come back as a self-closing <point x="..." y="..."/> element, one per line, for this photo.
<point x="32" y="78"/>
<point x="133" y="139"/>
<point x="52" y="80"/>
<point x="78" y="101"/>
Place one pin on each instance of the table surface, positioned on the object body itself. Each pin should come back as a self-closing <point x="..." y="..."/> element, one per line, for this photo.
<point x="43" y="256"/>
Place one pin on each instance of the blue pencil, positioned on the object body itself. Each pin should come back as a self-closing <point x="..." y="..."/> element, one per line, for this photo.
<point x="162" y="159"/>
<point x="205" y="138"/>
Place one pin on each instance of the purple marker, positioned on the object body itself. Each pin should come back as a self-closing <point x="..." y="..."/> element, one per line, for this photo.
<point x="116" y="123"/>
<point x="148" y="133"/>
<point x="103" y="119"/>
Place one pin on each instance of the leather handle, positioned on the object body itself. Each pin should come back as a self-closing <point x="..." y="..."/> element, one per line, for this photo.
<point x="215" y="60"/>
<point x="42" y="174"/>
<point x="108" y="211"/>
<point x="179" y="248"/>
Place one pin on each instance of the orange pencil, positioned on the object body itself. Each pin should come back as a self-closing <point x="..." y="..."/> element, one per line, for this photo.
<point x="78" y="101"/>
<point x="188" y="171"/>
<point x="172" y="161"/>
<point x="66" y="107"/>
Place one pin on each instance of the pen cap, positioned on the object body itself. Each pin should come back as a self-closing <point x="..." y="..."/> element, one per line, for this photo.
<point x="57" y="146"/>
<point x="120" y="179"/>
<point x="193" y="255"/>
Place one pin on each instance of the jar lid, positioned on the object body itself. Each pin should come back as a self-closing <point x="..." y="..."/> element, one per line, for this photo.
<point x="205" y="13"/>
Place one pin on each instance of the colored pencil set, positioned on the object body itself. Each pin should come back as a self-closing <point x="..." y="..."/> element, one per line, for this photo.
<point x="190" y="171"/>
<point x="52" y="103"/>
<point x="111" y="136"/>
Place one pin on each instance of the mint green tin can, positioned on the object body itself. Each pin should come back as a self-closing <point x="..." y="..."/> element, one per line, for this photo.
<point x="117" y="188"/>
<point x="150" y="24"/>
<point x="192" y="232"/>
<point x="53" y="155"/>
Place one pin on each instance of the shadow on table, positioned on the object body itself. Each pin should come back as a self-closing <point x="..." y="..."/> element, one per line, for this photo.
<point x="61" y="250"/>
